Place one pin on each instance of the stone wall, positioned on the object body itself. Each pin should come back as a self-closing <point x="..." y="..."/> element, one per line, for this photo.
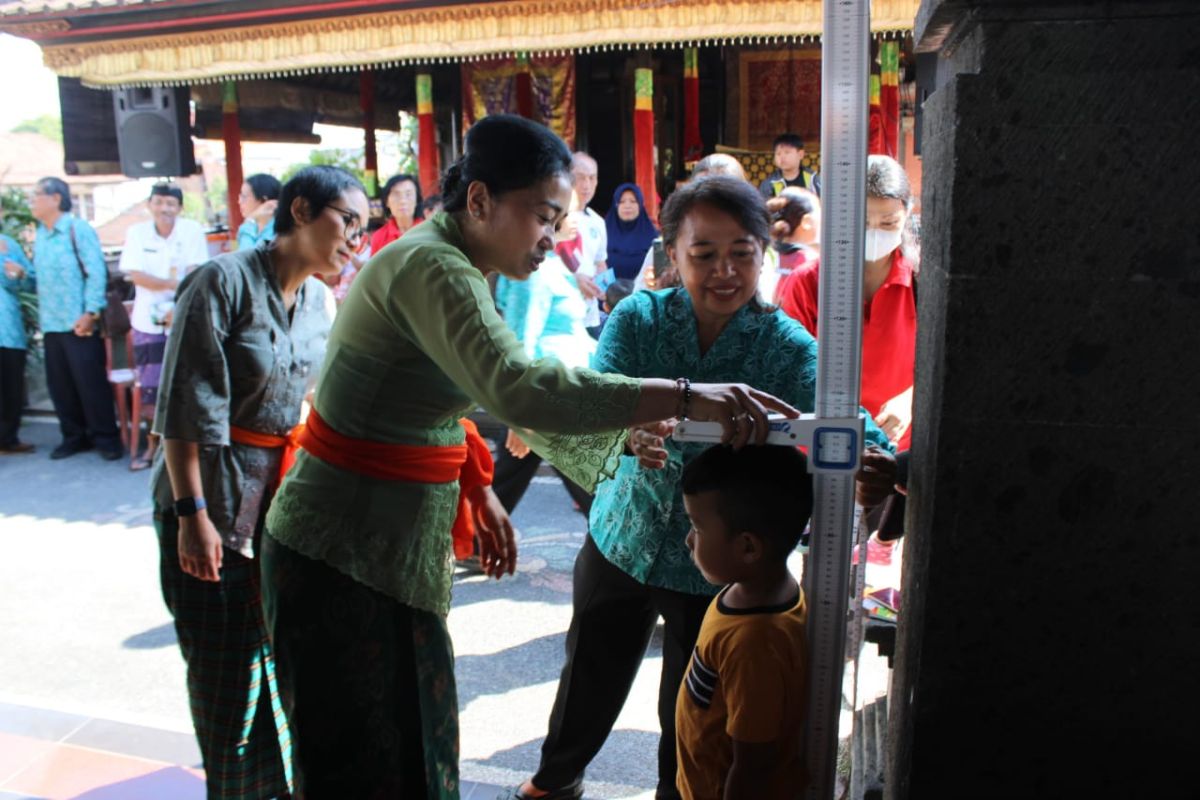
<point x="1050" y="633"/>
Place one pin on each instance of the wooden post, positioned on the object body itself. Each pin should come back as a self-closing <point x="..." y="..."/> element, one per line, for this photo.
<point x="427" y="152"/>
<point x="366" y="98"/>
<point x="231" y="132"/>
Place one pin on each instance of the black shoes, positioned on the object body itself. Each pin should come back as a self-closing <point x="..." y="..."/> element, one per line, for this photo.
<point x="67" y="449"/>
<point x="15" y="449"/>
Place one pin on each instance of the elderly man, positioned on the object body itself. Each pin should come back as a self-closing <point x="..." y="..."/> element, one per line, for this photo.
<point x="157" y="254"/>
<point x="71" y="277"/>
<point x="593" y="260"/>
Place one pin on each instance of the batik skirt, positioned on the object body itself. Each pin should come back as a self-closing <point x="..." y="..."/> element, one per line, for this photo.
<point x="148" y="351"/>
<point x="234" y="698"/>
<point x="367" y="683"/>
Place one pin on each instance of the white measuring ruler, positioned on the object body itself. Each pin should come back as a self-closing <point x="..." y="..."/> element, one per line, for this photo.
<point x="845" y="54"/>
<point x="834" y="434"/>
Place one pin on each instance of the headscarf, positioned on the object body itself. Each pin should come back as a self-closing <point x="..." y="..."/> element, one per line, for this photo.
<point x="628" y="242"/>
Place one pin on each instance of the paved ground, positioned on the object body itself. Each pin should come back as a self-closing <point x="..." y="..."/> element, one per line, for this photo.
<point x="85" y="632"/>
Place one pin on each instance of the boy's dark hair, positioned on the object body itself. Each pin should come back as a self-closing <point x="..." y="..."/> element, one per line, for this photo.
<point x="790" y="139"/>
<point x="320" y="186"/>
<point x="505" y="152"/>
<point x="617" y="291"/>
<point x="166" y="190"/>
<point x="764" y="490"/>
<point x="430" y="203"/>
<point x="392" y="183"/>
<point x="264" y="187"/>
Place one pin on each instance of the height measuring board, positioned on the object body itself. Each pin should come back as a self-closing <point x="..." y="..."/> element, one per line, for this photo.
<point x="845" y="54"/>
<point x="834" y="434"/>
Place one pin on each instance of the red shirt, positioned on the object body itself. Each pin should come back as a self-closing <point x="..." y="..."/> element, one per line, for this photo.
<point x="389" y="233"/>
<point x="889" y="343"/>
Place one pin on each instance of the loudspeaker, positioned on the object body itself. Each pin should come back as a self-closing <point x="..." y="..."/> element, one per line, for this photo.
<point x="89" y="129"/>
<point x="154" y="131"/>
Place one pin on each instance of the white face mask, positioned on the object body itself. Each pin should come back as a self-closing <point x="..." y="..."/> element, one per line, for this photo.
<point x="880" y="243"/>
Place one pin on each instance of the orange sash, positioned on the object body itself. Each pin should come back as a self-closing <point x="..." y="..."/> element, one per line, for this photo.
<point x="269" y="441"/>
<point x="469" y="463"/>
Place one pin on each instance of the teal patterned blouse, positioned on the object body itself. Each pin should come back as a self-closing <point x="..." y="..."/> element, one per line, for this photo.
<point x="12" y="328"/>
<point x="63" y="295"/>
<point x="638" y="520"/>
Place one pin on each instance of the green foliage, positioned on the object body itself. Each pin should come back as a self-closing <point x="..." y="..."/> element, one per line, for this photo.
<point x="17" y="216"/>
<point x="408" y="144"/>
<point x="47" y="125"/>
<point x="350" y="159"/>
<point x="17" y="223"/>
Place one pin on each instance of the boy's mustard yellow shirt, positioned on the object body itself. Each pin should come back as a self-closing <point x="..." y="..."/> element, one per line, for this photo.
<point x="748" y="680"/>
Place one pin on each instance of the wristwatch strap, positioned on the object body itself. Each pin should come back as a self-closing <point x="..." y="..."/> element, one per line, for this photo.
<point x="188" y="506"/>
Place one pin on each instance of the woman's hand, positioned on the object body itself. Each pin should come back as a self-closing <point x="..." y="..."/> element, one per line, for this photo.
<point x="742" y="411"/>
<point x="516" y="445"/>
<point x="647" y="443"/>
<point x="199" y="547"/>
<point x="497" y="542"/>
<point x="895" y="416"/>
<point x="876" y="477"/>
<point x="262" y="215"/>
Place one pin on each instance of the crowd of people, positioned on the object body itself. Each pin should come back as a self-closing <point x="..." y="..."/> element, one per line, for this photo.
<point x="317" y="475"/>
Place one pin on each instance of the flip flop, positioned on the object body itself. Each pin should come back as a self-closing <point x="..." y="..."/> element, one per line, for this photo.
<point x="139" y="464"/>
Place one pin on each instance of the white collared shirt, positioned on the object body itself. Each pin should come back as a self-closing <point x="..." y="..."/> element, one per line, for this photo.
<point x="170" y="257"/>
<point x="595" y="251"/>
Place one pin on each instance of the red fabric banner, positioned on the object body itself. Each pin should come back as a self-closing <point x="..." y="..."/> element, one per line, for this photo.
<point x="495" y="87"/>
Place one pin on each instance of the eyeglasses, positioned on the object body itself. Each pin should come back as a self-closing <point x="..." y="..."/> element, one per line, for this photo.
<point x="353" y="229"/>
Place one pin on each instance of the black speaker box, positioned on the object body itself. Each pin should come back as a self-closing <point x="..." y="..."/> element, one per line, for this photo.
<point x="154" y="131"/>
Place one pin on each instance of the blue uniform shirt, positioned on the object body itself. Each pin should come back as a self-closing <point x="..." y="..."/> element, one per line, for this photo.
<point x="12" y="329"/>
<point x="63" y="295"/>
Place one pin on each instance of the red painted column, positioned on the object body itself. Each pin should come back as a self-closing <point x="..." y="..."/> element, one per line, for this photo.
<point x="427" y="152"/>
<point x="643" y="138"/>
<point x="693" y="147"/>
<point x="231" y="132"/>
<point x="366" y="98"/>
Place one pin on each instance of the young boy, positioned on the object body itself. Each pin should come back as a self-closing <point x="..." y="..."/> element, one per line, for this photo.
<point x="740" y="714"/>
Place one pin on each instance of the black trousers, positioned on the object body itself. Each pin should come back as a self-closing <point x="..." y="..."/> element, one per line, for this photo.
<point x="12" y="393"/>
<point x="80" y="391"/>
<point x="612" y="621"/>
<point x="513" y="476"/>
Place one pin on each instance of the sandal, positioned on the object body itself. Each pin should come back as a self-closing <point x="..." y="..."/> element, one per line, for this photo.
<point x="139" y="464"/>
<point x="572" y="792"/>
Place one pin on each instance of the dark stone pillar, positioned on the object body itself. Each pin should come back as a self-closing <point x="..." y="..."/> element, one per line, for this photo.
<point x="1050" y="643"/>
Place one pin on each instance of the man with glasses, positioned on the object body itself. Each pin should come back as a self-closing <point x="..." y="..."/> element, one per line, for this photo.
<point x="71" y="277"/>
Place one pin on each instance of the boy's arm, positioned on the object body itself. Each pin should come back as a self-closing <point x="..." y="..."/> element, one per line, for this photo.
<point x="751" y="761"/>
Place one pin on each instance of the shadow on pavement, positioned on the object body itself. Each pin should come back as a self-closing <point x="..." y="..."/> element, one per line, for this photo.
<point x="173" y="782"/>
<point x="162" y="636"/>
<point x="528" y="664"/>
<point x="628" y="760"/>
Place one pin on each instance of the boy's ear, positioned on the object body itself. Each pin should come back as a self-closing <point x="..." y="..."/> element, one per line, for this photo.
<point x="750" y="547"/>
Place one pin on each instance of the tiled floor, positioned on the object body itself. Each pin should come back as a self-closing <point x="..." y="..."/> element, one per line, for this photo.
<point x="50" y="755"/>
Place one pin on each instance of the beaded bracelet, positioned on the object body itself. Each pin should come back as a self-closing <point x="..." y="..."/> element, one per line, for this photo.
<point x="685" y="402"/>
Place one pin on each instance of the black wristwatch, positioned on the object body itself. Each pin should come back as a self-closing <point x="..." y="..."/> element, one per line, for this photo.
<point x="188" y="506"/>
